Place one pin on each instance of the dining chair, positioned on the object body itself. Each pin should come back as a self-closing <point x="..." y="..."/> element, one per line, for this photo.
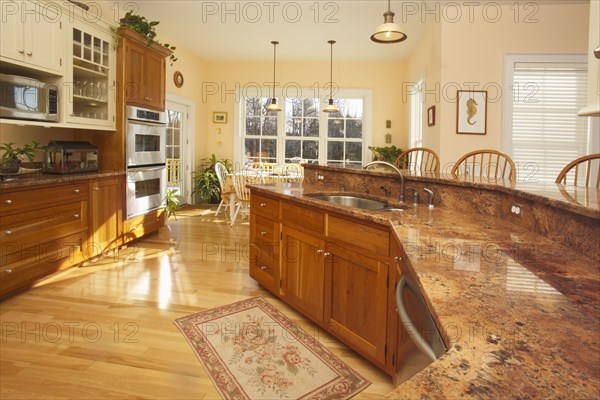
<point x="418" y="160"/>
<point x="241" y="179"/>
<point x="588" y="166"/>
<point x="490" y="164"/>
<point x="292" y="173"/>
<point x="222" y="172"/>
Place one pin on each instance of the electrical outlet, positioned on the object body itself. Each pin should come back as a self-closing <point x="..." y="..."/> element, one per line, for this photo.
<point x="515" y="209"/>
<point x="320" y="178"/>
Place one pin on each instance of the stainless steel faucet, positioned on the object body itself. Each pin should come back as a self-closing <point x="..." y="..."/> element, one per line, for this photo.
<point x="430" y="193"/>
<point x="392" y="166"/>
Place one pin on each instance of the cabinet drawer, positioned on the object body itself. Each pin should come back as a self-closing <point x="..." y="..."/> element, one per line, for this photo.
<point x="15" y="201"/>
<point x="44" y="224"/>
<point x="264" y="271"/>
<point x="264" y="234"/>
<point x="24" y="266"/>
<point x="359" y="235"/>
<point x="264" y="206"/>
<point x="303" y="218"/>
<point x="141" y="225"/>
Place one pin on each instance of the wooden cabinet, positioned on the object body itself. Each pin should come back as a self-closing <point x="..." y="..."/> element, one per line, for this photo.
<point x="303" y="272"/>
<point x="144" y="71"/>
<point x="32" y="35"/>
<point x="42" y="232"/>
<point x="106" y="215"/>
<point x="136" y="227"/>
<point x="356" y="293"/>
<point x="333" y="268"/>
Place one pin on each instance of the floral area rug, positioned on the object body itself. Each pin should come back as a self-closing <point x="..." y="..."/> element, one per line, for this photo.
<point x="252" y="351"/>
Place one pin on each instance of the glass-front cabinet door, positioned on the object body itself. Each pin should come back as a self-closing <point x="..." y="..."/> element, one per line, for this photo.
<point x="91" y="80"/>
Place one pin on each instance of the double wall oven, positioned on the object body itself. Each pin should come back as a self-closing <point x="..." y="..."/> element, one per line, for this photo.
<point x="146" y="164"/>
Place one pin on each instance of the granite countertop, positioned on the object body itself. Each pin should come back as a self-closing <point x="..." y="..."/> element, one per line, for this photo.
<point x="38" y="178"/>
<point x="521" y="312"/>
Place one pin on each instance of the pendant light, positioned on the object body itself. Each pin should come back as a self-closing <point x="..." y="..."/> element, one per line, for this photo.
<point x="388" y="32"/>
<point x="273" y="106"/>
<point x="331" y="108"/>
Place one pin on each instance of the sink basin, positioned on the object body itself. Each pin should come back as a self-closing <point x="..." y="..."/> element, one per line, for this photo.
<point x="394" y="209"/>
<point x="352" y="201"/>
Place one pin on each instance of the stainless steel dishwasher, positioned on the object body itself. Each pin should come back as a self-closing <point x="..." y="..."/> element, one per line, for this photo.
<point x="419" y="328"/>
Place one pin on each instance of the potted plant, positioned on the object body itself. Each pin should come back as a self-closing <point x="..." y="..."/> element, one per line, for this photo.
<point x="147" y="28"/>
<point x="172" y="200"/>
<point x="12" y="155"/>
<point x="388" y="153"/>
<point x="206" y="183"/>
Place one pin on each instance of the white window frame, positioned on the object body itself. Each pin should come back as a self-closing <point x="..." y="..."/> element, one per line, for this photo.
<point x="238" y="121"/>
<point x="509" y="62"/>
<point x="416" y="116"/>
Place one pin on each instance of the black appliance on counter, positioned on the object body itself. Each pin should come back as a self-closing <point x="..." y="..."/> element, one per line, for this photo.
<point x="70" y="157"/>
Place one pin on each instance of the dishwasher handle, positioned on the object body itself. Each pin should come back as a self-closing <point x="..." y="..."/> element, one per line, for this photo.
<point x="416" y="337"/>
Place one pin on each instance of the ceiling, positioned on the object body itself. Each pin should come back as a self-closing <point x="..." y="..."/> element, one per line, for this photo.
<point x="243" y="30"/>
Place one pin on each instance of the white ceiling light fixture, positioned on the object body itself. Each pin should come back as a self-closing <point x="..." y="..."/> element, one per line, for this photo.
<point x="388" y="32"/>
<point x="331" y="108"/>
<point x="273" y="105"/>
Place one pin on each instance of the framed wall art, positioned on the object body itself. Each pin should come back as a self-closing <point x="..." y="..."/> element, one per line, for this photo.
<point x="219" y="117"/>
<point x="471" y="112"/>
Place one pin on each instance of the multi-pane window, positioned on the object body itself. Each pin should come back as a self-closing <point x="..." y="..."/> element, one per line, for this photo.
<point x="302" y="129"/>
<point x="304" y="132"/>
<point x="345" y="133"/>
<point x="260" y="137"/>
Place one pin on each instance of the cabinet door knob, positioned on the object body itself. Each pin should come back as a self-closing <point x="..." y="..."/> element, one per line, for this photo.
<point x="96" y="188"/>
<point x="76" y="190"/>
<point x="320" y="251"/>
<point x="263" y="233"/>
<point x="262" y="267"/>
<point x="21" y="51"/>
<point x="8" y="201"/>
<point x="326" y="254"/>
<point x="8" y="271"/>
<point x="263" y="204"/>
<point x="29" y="53"/>
<point x="8" y="233"/>
<point x="398" y="258"/>
<point x="75" y="216"/>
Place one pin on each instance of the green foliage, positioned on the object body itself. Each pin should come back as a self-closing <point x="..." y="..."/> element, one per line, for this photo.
<point x="388" y="153"/>
<point x="206" y="183"/>
<point x="147" y="28"/>
<point x="18" y="153"/>
<point x="172" y="200"/>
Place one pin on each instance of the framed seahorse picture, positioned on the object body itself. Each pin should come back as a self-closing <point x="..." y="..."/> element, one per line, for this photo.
<point x="471" y="112"/>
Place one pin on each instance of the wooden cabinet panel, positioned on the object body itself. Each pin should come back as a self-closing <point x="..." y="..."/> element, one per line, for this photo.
<point x="106" y="215"/>
<point x="133" y="84"/>
<point x="356" y="301"/>
<point x="264" y="270"/>
<point x="154" y="88"/>
<point x="136" y="227"/>
<point x="359" y="234"/>
<point x="302" y="272"/>
<point x="264" y="236"/>
<point x="302" y="217"/>
<point x="265" y="206"/>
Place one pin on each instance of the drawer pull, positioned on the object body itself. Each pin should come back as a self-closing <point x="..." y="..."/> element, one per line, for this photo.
<point x="8" y="201"/>
<point x="96" y="188"/>
<point x="8" y="233"/>
<point x="263" y="267"/>
<point x="263" y="233"/>
<point x="76" y="216"/>
<point x="263" y="204"/>
<point x="398" y="258"/>
<point x="21" y="51"/>
<point x="76" y="190"/>
<point x="326" y="254"/>
<point x="8" y="271"/>
<point x="29" y="53"/>
<point x="320" y="251"/>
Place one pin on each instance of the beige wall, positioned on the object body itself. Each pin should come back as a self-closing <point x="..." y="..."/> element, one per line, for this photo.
<point x="474" y="52"/>
<point x="383" y="78"/>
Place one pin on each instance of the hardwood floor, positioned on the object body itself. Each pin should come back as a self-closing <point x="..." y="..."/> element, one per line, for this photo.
<point x="105" y="329"/>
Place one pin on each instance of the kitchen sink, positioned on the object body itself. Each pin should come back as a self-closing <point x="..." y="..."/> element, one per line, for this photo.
<point x="394" y="209"/>
<point x="353" y="201"/>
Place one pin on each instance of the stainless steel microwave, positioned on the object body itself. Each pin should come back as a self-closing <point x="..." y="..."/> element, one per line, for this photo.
<point x="27" y="98"/>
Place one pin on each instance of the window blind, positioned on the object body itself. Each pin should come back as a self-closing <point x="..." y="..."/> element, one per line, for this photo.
<point x="547" y="134"/>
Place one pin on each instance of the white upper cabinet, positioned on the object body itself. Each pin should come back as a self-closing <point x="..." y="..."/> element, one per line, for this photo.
<point x="32" y="35"/>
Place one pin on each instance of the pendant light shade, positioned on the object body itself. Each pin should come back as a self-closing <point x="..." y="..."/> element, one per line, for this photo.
<point x="388" y="32"/>
<point x="331" y="108"/>
<point x="273" y="105"/>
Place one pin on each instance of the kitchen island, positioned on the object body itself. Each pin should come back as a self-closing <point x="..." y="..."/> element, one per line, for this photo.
<point x="515" y="297"/>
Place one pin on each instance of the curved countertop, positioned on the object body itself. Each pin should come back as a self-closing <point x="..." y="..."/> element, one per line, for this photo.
<point x="41" y="179"/>
<point x="521" y="312"/>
